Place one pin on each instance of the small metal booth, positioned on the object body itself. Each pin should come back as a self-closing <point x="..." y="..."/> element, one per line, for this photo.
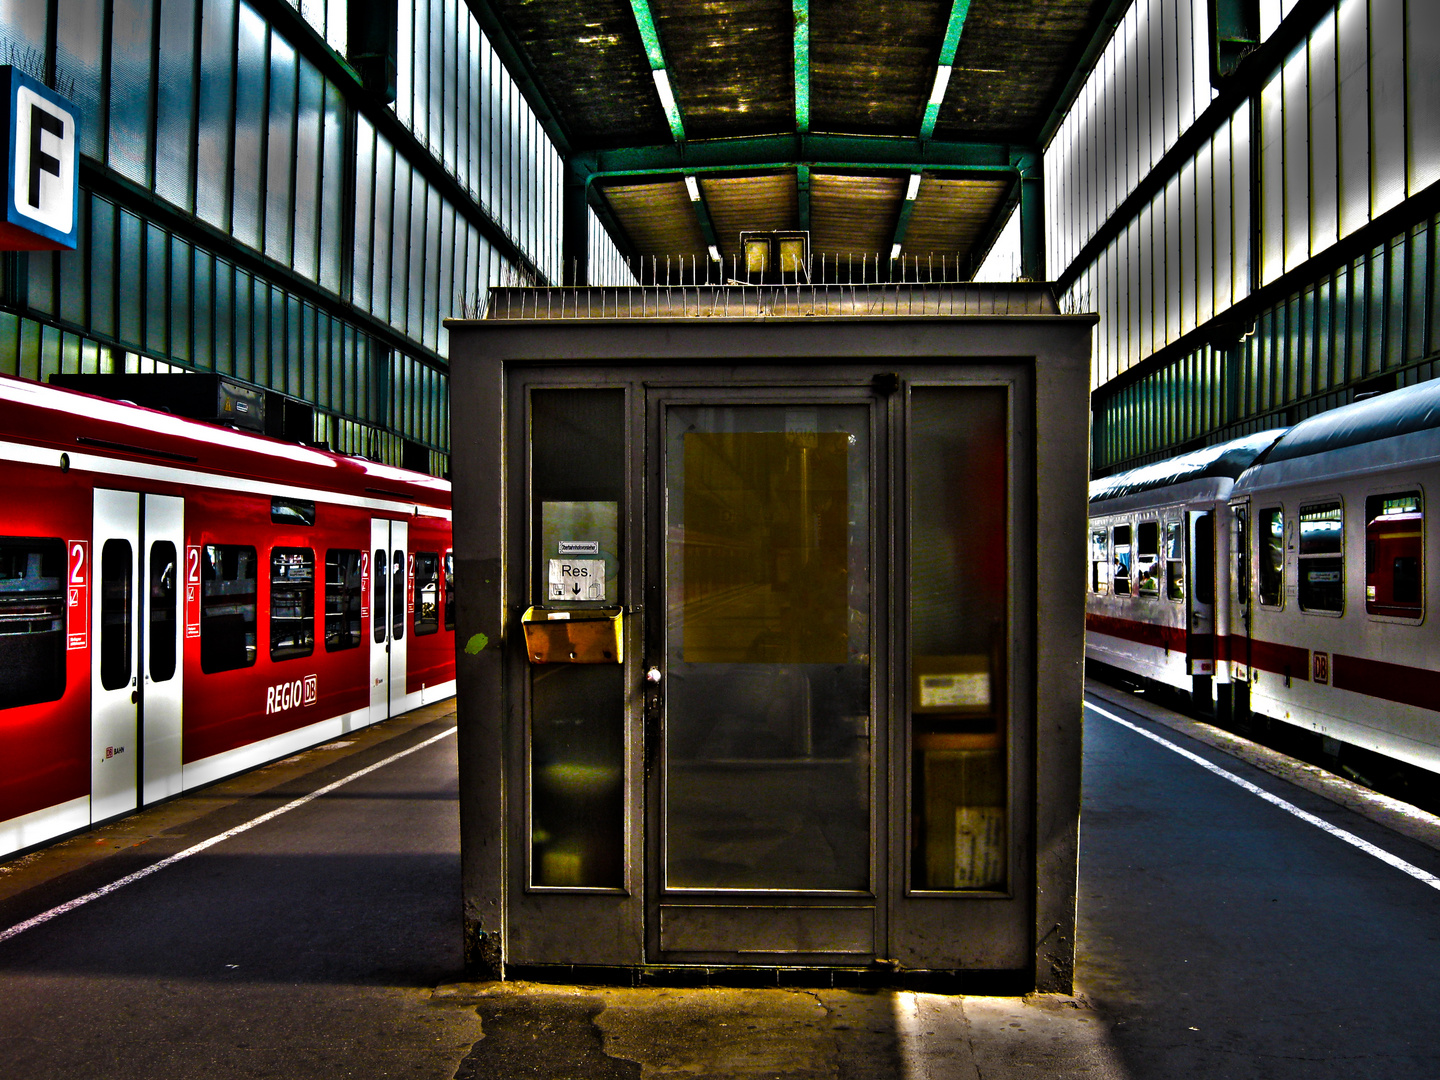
<point x="771" y="611"/>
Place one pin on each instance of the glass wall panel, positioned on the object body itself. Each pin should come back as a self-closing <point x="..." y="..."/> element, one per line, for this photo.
<point x="250" y="120"/>
<point x="958" y="637"/>
<point x="175" y="102"/>
<point x="280" y="150"/>
<point x="79" y="37"/>
<point x="309" y="121"/>
<point x="215" y="116"/>
<point x="131" y="47"/>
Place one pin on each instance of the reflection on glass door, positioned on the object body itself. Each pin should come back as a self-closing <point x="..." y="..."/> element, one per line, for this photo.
<point x="767" y="708"/>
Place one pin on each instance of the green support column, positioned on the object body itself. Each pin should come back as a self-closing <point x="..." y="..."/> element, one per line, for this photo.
<point x="575" y="227"/>
<point x="1032" y="226"/>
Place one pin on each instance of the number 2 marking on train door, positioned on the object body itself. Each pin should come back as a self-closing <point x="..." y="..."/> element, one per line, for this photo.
<point x="77" y="598"/>
<point x="192" y="592"/>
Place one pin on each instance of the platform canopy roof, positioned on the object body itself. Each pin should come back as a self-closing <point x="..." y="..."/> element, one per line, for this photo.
<point x="883" y="126"/>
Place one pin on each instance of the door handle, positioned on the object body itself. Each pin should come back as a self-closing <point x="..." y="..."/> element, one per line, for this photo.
<point x="653" y="710"/>
<point x="134" y="697"/>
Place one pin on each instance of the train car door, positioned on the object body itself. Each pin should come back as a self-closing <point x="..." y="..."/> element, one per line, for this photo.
<point x="1200" y="597"/>
<point x="136" y="684"/>
<point x="389" y="604"/>
<point x="1240" y="612"/>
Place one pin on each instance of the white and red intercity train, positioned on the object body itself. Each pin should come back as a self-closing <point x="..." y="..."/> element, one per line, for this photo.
<point x="1296" y="581"/>
<point x="181" y="601"/>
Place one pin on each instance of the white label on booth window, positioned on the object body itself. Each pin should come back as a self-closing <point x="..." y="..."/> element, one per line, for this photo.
<point x="579" y="547"/>
<point x="577" y="579"/>
<point x="955" y="691"/>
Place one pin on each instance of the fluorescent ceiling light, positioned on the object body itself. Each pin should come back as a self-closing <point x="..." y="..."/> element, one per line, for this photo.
<point x="914" y="188"/>
<point x="942" y="80"/>
<point x="693" y="188"/>
<point x="667" y="96"/>
<point x="714" y="253"/>
<point x="895" y="252"/>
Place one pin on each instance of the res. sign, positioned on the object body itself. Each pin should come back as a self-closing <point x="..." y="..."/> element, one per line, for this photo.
<point x="42" y="166"/>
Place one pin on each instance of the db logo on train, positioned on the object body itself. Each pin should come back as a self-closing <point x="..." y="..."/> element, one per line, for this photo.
<point x="1321" y="668"/>
<point x="291" y="695"/>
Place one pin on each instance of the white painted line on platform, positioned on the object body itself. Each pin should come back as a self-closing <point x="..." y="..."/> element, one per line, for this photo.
<point x="1290" y="808"/>
<point x="169" y="860"/>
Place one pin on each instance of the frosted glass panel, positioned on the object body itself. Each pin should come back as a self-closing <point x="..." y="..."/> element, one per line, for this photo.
<point x="1387" y="103"/>
<point x="1297" y="161"/>
<point x="1354" y="92"/>
<point x="1423" y="36"/>
<point x="1324" y="148"/>
<point x="131" y="48"/>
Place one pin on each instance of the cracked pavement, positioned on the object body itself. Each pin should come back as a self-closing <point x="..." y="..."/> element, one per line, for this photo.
<point x="568" y="1033"/>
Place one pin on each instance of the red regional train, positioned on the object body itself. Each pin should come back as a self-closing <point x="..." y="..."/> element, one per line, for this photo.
<point x="181" y="601"/>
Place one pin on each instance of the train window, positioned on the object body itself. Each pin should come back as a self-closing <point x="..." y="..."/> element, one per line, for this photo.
<point x="292" y="603"/>
<point x="449" y="590"/>
<point x="1270" y="523"/>
<point x="1147" y="559"/>
<point x="1394" y="554"/>
<point x="161" y="631"/>
<point x="227" y="607"/>
<point x="381" y="590"/>
<point x="1174" y="561"/>
<point x="397" y="597"/>
<point x="116" y="581"/>
<point x="342" y="600"/>
<point x="1203" y="551"/>
<point x="1099" y="560"/>
<point x="1120" y="548"/>
<point x="427" y="593"/>
<point x="32" y="620"/>
<point x="292" y="511"/>
<point x="1322" y="558"/>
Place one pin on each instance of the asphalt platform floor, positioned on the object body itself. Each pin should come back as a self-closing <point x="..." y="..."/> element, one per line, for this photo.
<point x="1221" y="934"/>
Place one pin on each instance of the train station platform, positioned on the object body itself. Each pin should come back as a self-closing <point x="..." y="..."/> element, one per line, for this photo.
<point x="1239" y="916"/>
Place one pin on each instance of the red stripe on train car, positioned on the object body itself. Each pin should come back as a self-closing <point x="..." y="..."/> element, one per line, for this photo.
<point x="1161" y="637"/>
<point x="1289" y="660"/>
<point x="1419" y="687"/>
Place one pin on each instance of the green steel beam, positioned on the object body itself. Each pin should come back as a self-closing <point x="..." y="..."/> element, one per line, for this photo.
<point x="801" y="9"/>
<point x="948" y="48"/>
<point x="656" y="55"/>
<point x="783" y="152"/>
<point x="702" y="212"/>
<point x="902" y="223"/>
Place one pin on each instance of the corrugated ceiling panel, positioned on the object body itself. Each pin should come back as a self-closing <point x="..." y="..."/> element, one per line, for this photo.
<point x="659" y="219"/>
<point x="854" y="216"/>
<point x="731" y="63"/>
<point x="951" y="215"/>
<point x="745" y="203"/>
<point x="872" y="65"/>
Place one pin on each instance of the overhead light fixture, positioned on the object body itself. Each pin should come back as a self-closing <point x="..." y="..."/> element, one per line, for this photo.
<point x="894" y="252"/>
<point x="667" y="96"/>
<point x="714" y="253"/>
<point x="693" y="188"/>
<point x="914" y="188"/>
<point x="942" y="80"/>
<point x="756" y="254"/>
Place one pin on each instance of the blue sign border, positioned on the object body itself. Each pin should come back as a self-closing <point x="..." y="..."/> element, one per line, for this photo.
<point x="11" y="80"/>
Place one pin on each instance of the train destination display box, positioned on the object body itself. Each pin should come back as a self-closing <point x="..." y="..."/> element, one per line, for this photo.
<point x="770" y="606"/>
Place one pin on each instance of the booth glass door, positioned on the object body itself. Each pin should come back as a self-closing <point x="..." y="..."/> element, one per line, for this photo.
<point x="762" y="830"/>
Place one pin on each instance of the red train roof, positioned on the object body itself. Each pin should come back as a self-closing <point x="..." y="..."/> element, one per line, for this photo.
<point x="67" y="421"/>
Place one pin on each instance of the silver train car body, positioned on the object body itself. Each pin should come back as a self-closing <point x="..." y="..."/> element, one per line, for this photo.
<point x="1157" y="605"/>
<point x="1329" y="625"/>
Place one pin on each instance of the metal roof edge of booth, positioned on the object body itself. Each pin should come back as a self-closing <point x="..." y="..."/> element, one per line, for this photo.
<point x="687" y="302"/>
